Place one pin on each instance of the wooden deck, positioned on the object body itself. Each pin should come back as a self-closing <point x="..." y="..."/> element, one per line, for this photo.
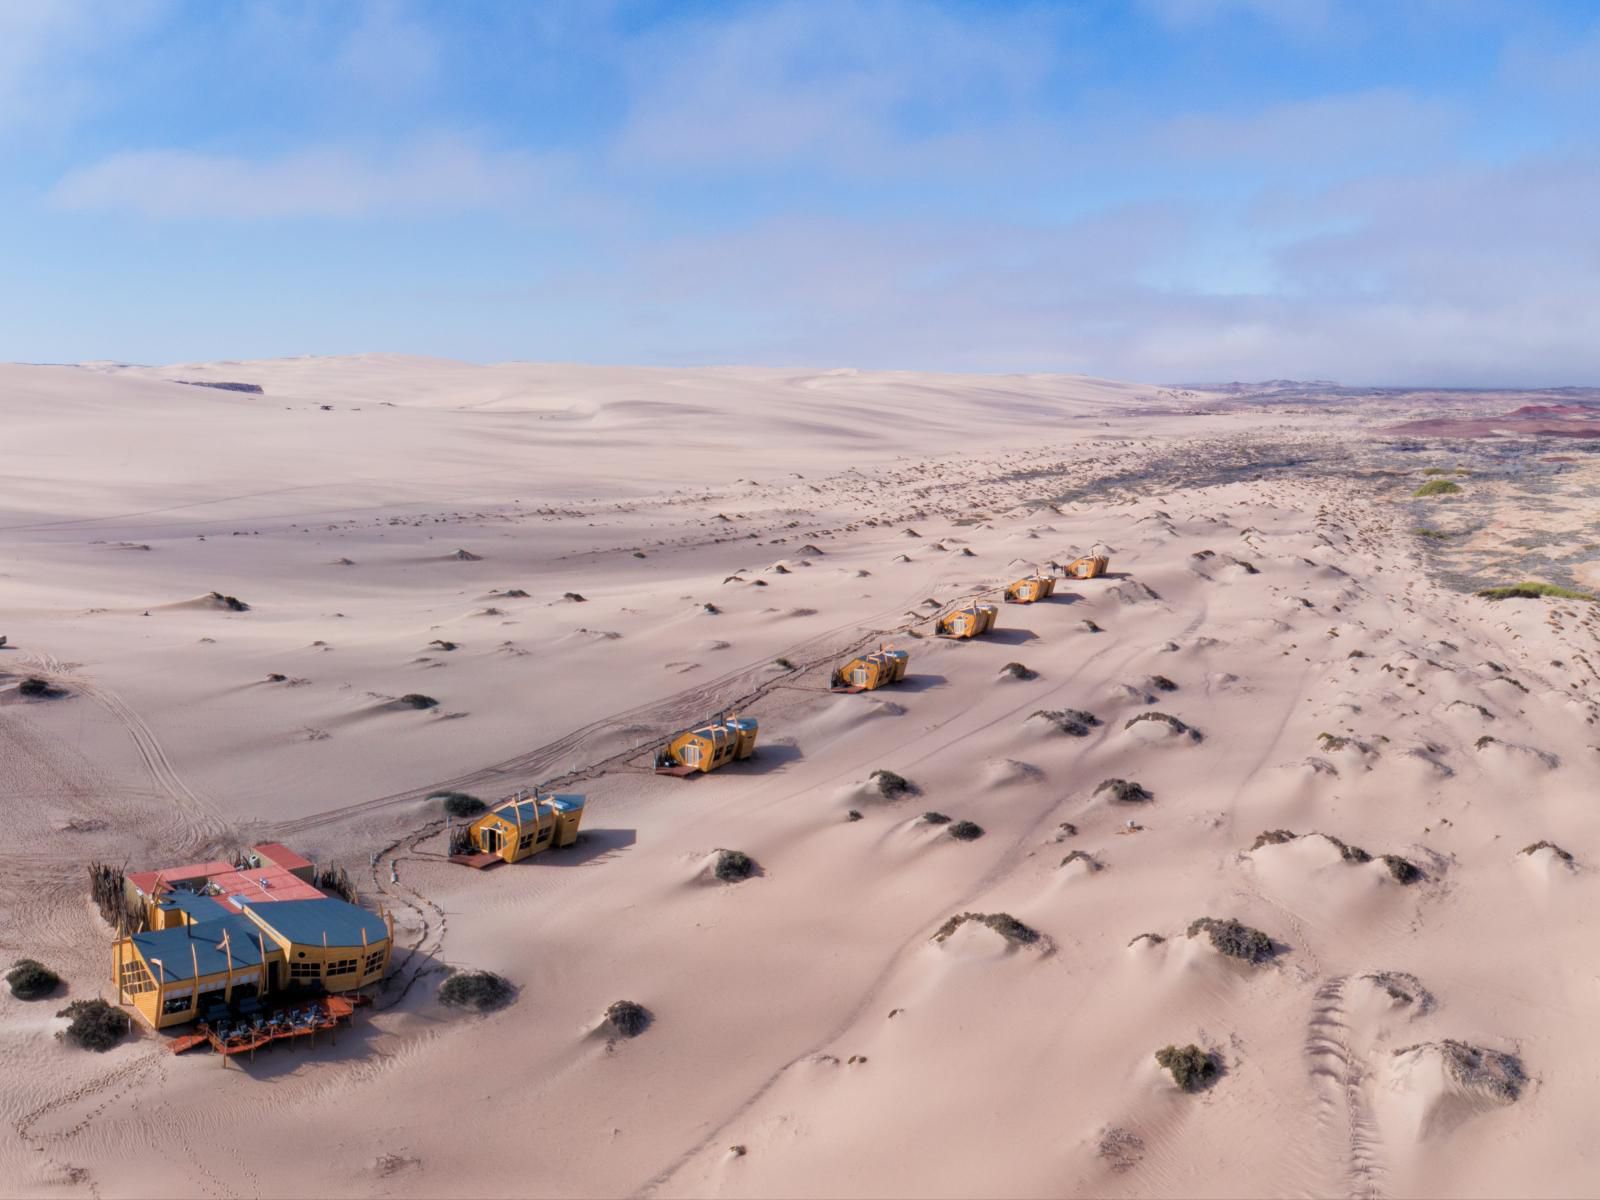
<point x="480" y="862"/>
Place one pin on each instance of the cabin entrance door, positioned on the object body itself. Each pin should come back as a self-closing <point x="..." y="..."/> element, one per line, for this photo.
<point x="491" y="839"/>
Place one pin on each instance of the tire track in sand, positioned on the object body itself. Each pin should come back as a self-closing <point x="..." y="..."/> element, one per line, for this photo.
<point x="1336" y="1074"/>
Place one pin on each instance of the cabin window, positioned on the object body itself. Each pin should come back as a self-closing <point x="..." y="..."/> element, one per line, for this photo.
<point x="305" y="970"/>
<point x="691" y="753"/>
<point x="859" y="677"/>
<point x="544" y="834"/>
<point x="374" y="962"/>
<point x="176" y="1004"/>
<point x="343" y="966"/>
<point x="135" y="979"/>
<point x="525" y="841"/>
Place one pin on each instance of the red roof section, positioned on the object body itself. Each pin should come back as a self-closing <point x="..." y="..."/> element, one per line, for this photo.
<point x="145" y="881"/>
<point x="261" y="883"/>
<point x="280" y="855"/>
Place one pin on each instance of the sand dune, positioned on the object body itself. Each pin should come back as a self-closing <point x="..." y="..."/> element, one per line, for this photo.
<point x="522" y="546"/>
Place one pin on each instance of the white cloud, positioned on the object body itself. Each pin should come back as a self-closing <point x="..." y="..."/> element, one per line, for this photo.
<point x="47" y="56"/>
<point x="827" y="82"/>
<point x="389" y="52"/>
<point x="432" y="176"/>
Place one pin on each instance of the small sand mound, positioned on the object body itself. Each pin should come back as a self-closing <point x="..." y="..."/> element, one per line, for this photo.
<point x="1073" y="722"/>
<point x="1134" y="592"/>
<point x="1003" y="772"/>
<point x="1447" y="1082"/>
<point x="1124" y="791"/>
<point x="1160" y="727"/>
<point x="1007" y="926"/>
<point x="1234" y="939"/>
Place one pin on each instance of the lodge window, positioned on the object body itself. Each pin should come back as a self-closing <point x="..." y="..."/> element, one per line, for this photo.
<point x="342" y="967"/>
<point x="176" y="1004"/>
<point x="305" y="970"/>
<point x="374" y="962"/>
<point x="525" y="841"/>
<point x="135" y="979"/>
<point x="544" y="834"/>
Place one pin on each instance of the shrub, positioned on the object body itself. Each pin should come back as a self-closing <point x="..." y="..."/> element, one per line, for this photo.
<point x="1073" y="722"/>
<point x="853" y="815"/>
<point x="1124" y="791"/>
<point x="733" y="866"/>
<point x="574" y="597"/>
<point x="890" y="785"/>
<point x="482" y="991"/>
<point x="95" y="1025"/>
<point x="1550" y="846"/>
<point x="32" y="980"/>
<point x="1273" y="837"/>
<point x="1192" y="1068"/>
<point x="1351" y="854"/>
<point x="1234" y="939"/>
<point x="1533" y="591"/>
<point x="1162" y="684"/>
<point x="628" y="1018"/>
<point x="1167" y="719"/>
<point x="1403" y="869"/>
<point x="1007" y="926"/>
<point x="1436" y="487"/>
<point x="1082" y="856"/>
<point x="1015" y="670"/>
<point x="230" y="602"/>
<point x="1090" y="627"/>
<point x="784" y="663"/>
<point x="34" y="686"/>
<point x="418" y="700"/>
<point x="935" y="818"/>
<point x="966" y="831"/>
<point x="460" y="804"/>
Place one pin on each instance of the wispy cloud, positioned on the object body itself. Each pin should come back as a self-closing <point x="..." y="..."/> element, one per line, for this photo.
<point x="439" y="175"/>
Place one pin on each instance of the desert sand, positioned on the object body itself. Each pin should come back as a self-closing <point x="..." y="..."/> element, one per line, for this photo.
<point x="616" y="553"/>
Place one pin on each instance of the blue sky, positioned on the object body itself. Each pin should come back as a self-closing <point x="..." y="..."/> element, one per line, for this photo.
<point x="1376" y="192"/>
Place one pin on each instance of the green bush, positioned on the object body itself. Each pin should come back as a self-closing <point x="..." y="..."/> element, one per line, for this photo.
<point x="1273" y="837"/>
<point x="1530" y="590"/>
<point x="628" y="1018"/>
<point x="890" y="785"/>
<point x="482" y="991"/>
<point x="1192" y="1068"/>
<point x="1234" y="939"/>
<point x="95" y="1025"/>
<point x="1007" y="926"/>
<point x="1124" y="791"/>
<point x="1437" y="487"/>
<point x="966" y="831"/>
<point x="32" y="980"/>
<point x="733" y="866"/>
<point x="1403" y="869"/>
<point x="460" y="804"/>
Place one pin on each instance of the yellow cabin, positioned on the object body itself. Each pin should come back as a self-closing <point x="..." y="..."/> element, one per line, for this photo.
<point x="524" y="825"/>
<point x="1026" y="591"/>
<point x="723" y="741"/>
<point x="1090" y="566"/>
<point x="221" y="958"/>
<point x="871" y="671"/>
<point x="968" y="621"/>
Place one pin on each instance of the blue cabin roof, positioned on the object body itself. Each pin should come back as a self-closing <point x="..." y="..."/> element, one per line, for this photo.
<point x="526" y="812"/>
<point x="305" y="922"/>
<point x="196" y="907"/>
<point x="179" y="950"/>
